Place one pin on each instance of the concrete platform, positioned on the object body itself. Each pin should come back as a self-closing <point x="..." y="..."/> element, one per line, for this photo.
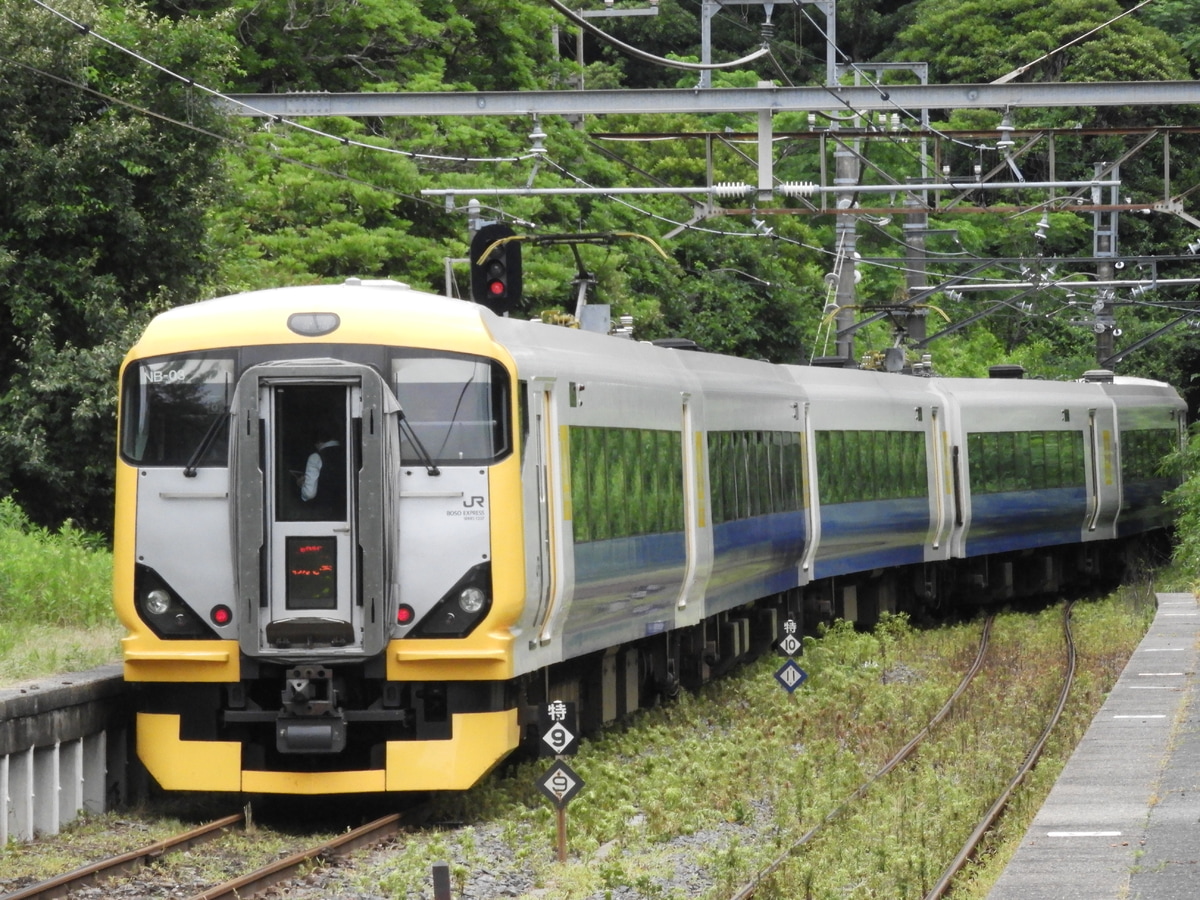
<point x="64" y="748"/>
<point x="1123" y="820"/>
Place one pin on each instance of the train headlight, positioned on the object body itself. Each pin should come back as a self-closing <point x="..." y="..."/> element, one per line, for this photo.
<point x="162" y="608"/>
<point x="460" y="609"/>
<point x="158" y="602"/>
<point x="471" y="600"/>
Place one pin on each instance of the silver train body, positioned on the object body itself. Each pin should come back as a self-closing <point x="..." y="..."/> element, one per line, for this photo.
<point x="528" y="512"/>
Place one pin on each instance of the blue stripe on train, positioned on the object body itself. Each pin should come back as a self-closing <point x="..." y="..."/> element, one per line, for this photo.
<point x="857" y="537"/>
<point x="755" y="557"/>
<point x="625" y="589"/>
<point x="1020" y="520"/>
<point x="1143" y="507"/>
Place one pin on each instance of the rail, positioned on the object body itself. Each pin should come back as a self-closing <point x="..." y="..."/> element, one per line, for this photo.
<point x="92" y="874"/>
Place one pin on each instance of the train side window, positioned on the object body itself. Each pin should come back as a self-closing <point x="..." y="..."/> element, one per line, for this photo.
<point x="171" y="407"/>
<point x="523" y="415"/>
<point x="860" y="466"/>
<point x="625" y="482"/>
<point x="1143" y="453"/>
<point x="458" y="405"/>
<point x="1004" y="461"/>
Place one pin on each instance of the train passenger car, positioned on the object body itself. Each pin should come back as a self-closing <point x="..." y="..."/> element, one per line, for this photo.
<point x="361" y="530"/>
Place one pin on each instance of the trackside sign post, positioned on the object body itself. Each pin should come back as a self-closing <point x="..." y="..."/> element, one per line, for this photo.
<point x="558" y="729"/>
<point x="790" y="675"/>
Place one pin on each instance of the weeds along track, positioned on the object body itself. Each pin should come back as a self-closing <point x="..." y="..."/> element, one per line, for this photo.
<point x="249" y="884"/>
<point x="769" y="880"/>
<point x="985" y="824"/>
<point x="285" y="869"/>
<point x="126" y="863"/>
<point x="906" y="752"/>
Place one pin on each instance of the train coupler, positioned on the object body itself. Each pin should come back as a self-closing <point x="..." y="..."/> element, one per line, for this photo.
<point x="310" y="720"/>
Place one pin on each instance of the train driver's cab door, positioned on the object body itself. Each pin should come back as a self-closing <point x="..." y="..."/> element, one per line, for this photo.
<point x="311" y="583"/>
<point x="312" y="538"/>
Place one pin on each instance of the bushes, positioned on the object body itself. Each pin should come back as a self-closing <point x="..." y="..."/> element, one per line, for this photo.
<point x="51" y="578"/>
<point x="1185" y="500"/>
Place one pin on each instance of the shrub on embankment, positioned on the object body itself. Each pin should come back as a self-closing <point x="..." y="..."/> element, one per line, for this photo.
<point x="55" y="598"/>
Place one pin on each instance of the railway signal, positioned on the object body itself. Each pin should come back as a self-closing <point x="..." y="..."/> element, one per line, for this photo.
<point x="496" y="268"/>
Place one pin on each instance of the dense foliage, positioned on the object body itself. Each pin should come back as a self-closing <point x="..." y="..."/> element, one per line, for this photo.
<point x="102" y="209"/>
<point x="122" y="192"/>
<point x="55" y="598"/>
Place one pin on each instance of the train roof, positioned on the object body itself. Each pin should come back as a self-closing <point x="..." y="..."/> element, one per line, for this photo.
<point x="393" y="313"/>
<point x="367" y="312"/>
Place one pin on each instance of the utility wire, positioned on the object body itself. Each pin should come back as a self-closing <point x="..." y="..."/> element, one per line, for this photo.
<point x="190" y="126"/>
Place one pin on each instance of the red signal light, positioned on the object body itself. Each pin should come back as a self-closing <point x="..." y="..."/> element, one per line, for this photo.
<point x="496" y="288"/>
<point x="404" y="614"/>
<point x="221" y="615"/>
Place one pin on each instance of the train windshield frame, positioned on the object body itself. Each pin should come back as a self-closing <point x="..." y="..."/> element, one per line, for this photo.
<point x="458" y="404"/>
<point x="174" y="406"/>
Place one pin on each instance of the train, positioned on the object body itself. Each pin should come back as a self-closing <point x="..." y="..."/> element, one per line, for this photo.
<point x="508" y="513"/>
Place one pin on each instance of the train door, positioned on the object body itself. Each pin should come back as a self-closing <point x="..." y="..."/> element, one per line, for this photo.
<point x="949" y="506"/>
<point x="311" y="449"/>
<point x="548" y="462"/>
<point x="1103" y="488"/>
<point x="314" y="527"/>
<point x="812" y="513"/>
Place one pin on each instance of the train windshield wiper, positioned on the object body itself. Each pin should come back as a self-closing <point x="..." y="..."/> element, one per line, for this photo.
<point x="214" y="428"/>
<point x="422" y="454"/>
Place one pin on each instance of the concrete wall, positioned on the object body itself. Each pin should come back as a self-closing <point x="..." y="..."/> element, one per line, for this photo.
<point x="66" y="746"/>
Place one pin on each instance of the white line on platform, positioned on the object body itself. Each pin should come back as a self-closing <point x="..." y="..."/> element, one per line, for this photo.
<point x="1083" y="834"/>
<point x="1158" y="674"/>
<point x="1141" y="717"/>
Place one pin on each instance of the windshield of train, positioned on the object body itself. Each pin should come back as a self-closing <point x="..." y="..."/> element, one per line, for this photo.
<point x="175" y="408"/>
<point x="457" y="405"/>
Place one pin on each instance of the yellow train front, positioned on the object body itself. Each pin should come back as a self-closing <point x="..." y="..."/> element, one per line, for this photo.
<point x="318" y="542"/>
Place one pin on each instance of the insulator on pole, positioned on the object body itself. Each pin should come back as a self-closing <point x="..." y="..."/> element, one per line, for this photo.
<point x="797" y="189"/>
<point x="730" y="189"/>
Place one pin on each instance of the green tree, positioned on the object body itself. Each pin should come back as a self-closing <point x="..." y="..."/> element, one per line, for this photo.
<point x="981" y="40"/>
<point x="101" y="221"/>
<point x="1181" y="20"/>
<point x="350" y="45"/>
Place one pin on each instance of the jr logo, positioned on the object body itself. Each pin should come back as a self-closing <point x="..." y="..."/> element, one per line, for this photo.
<point x="474" y="501"/>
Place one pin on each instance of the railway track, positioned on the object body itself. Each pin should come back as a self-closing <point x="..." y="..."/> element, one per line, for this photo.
<point x="751" y="888"/>
<point x="239" y="888"/>
<point x="1000" y="654"/>
<point x="1031" y="758"/>
<point x="124" y="863"/>
<point x="278" y="872"/>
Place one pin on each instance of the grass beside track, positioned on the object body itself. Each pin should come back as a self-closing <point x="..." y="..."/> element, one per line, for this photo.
<point x="55" y="599"/>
